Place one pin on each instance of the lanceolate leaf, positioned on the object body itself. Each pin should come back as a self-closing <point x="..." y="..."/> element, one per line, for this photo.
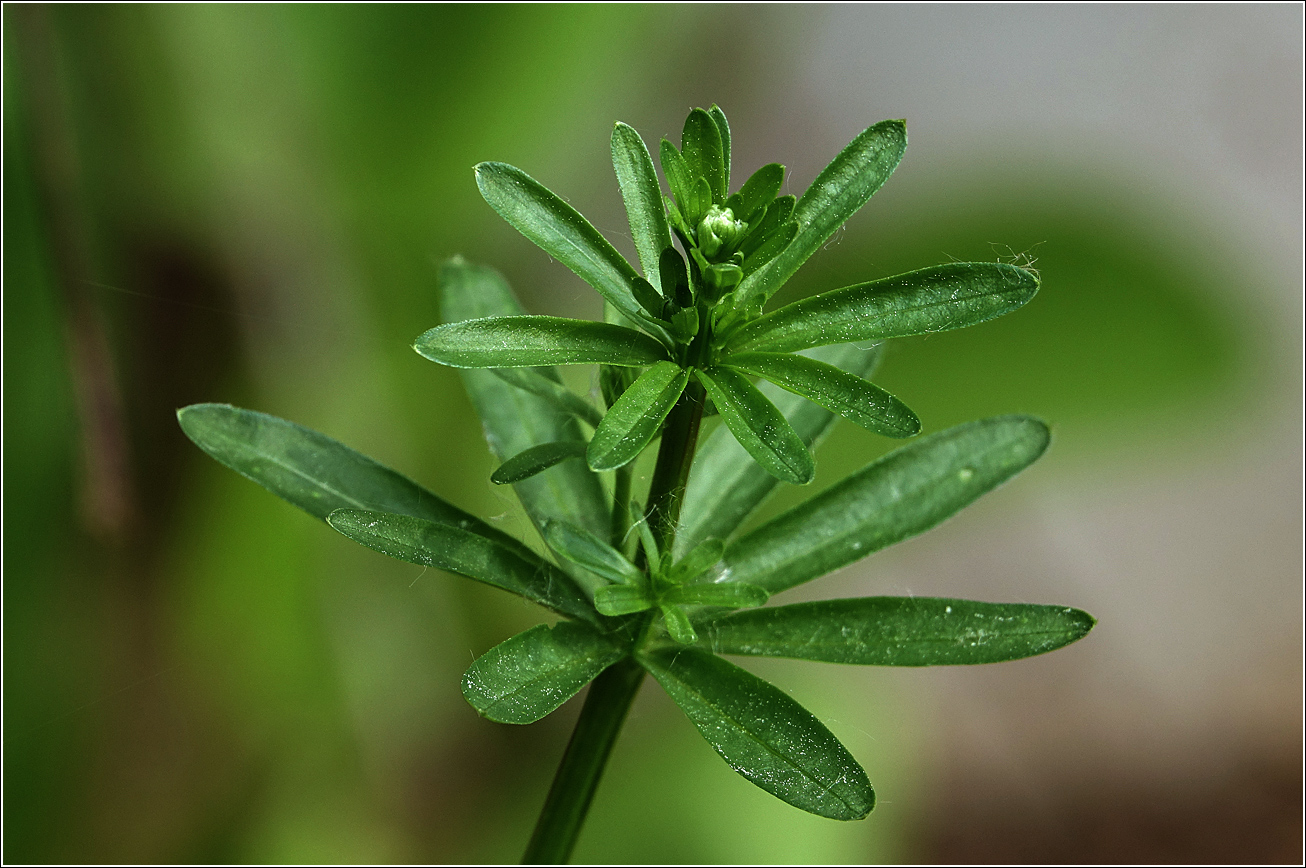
<point x="851" y="397"/>
<point x="531" y="674"/>
<point x="680" y="179"/>
<point x="735" y="595"/>
<point x="838" y="192"/>
<point x="447" y="548"/>
<point x="758" y="191"/>
<point x="701" y="146"/>
<point x="515" y="420"/>
<point x="643" y="197"/>
<point x="930" y="300"/>
<point x="315" y="473"/>
<point x="902" y="494"/>
<point x="723" y="127"/>
<point x="763" y="734"/>
<point x="558" y="229"/>
<point x="532" y="341"/>
<point x="535" y="460"/>
<point x="759" y="426"/>
<point x="582" y="547"/>
<point x="614" y="600"/>
<point x="898" y="631"/>
<point x="636" y="417"/>
<point x="725" y="487"/>
<point x="552" y="391"/>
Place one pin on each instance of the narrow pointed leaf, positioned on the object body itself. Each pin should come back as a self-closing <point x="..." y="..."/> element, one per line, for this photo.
<point x="841" y="189"/>
<point x="582" y="547"/>
<point x="535" y="460"/>
<point x="315" y="473"/>
<point x="735" y="595"/>
<point x="530" y="675"/>
<point x="552" y="391"/>
<point x="759" y="427"/>
<point x="643" y="198"/>
<point x="908" y="491"/>
<point x="937" y="299"/>
<point x="637" y="416"/>
<point x="614" y="600"/>
<point x="723" y="127"/>
<point x="702" y="148"/>
<point x="764" y="734"/>
<point x="514" y="420"/>
<point x="702" y="558"/>
<point x="678" y="624"/>
<point x="775" y="242"/>
<point x="534" y="341"/>
<point x="680" y="179"/>
<point x="851" y="397"/>
<point x="445" y="547"/>
<point x="770" y="226"/>
<point x="559" y="230"/>
<point x="725" y="487"/>
<point x="758" y="191"/>
<point x="899" y="631"/>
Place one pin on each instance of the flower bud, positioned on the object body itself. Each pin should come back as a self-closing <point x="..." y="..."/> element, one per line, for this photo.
<point x="719" y="231"/>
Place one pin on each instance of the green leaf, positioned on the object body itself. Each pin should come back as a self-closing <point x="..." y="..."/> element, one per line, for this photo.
<point x="554" y="392"/>
<point x="535" y="460"/>
<point x="615" y="600"/>
<point x="445" y="547"/>
<point x="758" y="191"/>
<point x="851" y="397"/>
<point x="775" y="242"/>
<point x="763" y="734"/>
<point x="638" y="181"/>
<point x="700" y="200"/>
<point x="514" y="420"/>
<point x="528" y="676"/>
<point x="680" y="178"/>
<point x="838" y="192"/>
<point x="582" y="547"/>
<point x="701" y="146"/>
<point x="637" y="416"/>
<point x="558" y="229"/>
<point x="723" y="128"/>
<point x="908" y="491"/>
<point x="725" y="487"/>
<point x="931" y="300"/>
<point x="735" y="595"/>
<point x="533" y="341"/>
<point x="315" y="473"/>
<point x="759" y="426"/>
<point x="899" y="631"/>
<point x="773" y="224"/>
<point x="678" y="624"/>
<point x="702" y="558"/>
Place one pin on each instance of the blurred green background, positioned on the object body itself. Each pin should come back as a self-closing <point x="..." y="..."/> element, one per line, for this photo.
<point x="248" y="204"/>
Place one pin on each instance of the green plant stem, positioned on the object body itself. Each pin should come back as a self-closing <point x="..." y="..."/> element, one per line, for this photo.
<point x="621" y="507"/>
<point x="582" y="765"/>
<point x="679" y="439"/>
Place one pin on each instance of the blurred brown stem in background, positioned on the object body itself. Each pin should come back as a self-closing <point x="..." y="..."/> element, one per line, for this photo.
<point x="108" y="501"/>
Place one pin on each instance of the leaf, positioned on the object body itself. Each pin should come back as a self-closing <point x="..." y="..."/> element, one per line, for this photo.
<point x="535" y="460"/>
<point x="735" y="595"/>
<point x="315" y="473"/>
<point x="723" y="128"/>
<point x="899" y="631"/>
<point x="758" y="192"/>
<point x="764" y="734"/>
<point x="615" y="600"/>
<point x="759" y="426"/>
<point x="638" y="181"/>
<point x="680" y="178"/>
<point x="850" y="396"/>
<point x="702" y="558"/>
<point x="701" y="146"/>
<point x="908" y="491"/>
<point x="637" y="416"/>
<point x="931" y="300"/>
<point x="773" y="224"/>
<point x="678" y="625"/>
<point x="515" y="420"/>
<point x="770" y="248"/>
<point x="841" y="189"/>
<point x="533" y="341"/>
<point x="445" y="547"/>
<point x="725" y="487"/>
<point x="559" y="230"/>
<point x="528" y="676"/>
<point x="582" y="547"/>
<point x="554" y="392"/>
